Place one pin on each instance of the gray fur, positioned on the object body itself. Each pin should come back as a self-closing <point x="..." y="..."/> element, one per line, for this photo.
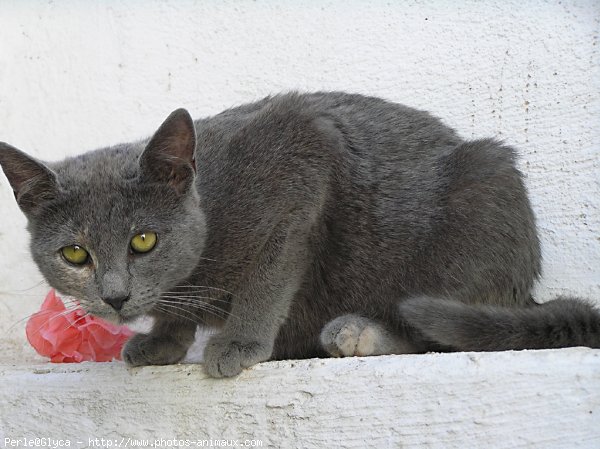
<point x="465" y="327"/>
<point x="282" y="215"/>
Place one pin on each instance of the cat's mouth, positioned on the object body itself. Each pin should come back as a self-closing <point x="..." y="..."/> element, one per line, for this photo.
<point x="124" y="319"/>
<point x="126" y="311"/>
<point x="116" y="317"/>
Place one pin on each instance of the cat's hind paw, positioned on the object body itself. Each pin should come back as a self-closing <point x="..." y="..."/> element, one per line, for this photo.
<point x="349" y="335"/>
<point x="225" y="356"/>
<point x="354" y="335"/>
<point x="148" y="349"/>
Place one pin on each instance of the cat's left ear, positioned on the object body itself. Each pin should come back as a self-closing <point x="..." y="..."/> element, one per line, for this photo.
<point x="33" y="183"/>
<point x="169" y="156"/>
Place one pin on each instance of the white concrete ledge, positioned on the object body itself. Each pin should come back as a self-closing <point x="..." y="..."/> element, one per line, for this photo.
<point x="548" y="399"/>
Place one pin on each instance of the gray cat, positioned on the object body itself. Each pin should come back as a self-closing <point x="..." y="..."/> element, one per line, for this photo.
<point x="303" y="225"/>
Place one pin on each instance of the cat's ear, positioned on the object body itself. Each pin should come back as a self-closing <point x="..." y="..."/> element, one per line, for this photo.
<point x="32" y="182"/>
<point x="169" y="156"/>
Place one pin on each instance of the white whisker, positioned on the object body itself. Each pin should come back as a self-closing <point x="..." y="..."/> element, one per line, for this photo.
<point x="205" y="287"/>
<point x="224" y="301"/>
<point x="209" y="308"/>
<point x="171" y="312"/>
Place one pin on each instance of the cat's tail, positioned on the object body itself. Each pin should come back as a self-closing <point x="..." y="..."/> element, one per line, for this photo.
<point x="560" y="323"/>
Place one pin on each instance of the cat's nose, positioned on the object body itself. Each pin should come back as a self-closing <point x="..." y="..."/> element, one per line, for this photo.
<point x="116" y="302"/>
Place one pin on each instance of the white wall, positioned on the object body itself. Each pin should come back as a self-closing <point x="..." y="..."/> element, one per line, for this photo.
<point x="507" y="400"/>
<point x="78" y="75"/>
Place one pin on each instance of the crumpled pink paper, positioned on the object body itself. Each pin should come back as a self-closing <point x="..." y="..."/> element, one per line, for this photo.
<point x="73" y="337"/>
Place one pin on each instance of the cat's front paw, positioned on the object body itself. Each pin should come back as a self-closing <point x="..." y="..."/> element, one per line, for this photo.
<point x="226" y="356"/>
<point x="145" y="349"/>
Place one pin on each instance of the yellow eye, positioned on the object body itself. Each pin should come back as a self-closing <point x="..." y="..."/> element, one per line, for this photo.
<point x="75" y="254"/>
<point x="144" y="242"/>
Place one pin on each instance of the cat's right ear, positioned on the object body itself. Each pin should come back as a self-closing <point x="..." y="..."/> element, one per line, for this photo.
<point x="169" y="156"/>
<point x="32" y="182"/>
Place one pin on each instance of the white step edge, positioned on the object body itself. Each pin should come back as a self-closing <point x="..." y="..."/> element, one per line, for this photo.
<point x="524" y="399"/>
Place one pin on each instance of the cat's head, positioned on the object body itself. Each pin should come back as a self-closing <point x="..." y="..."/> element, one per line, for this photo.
<point x="116" y="227"/>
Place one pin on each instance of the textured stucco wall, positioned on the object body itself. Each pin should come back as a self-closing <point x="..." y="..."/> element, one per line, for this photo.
<point x="506" y="400"/>
<point x="77" y="75"/>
